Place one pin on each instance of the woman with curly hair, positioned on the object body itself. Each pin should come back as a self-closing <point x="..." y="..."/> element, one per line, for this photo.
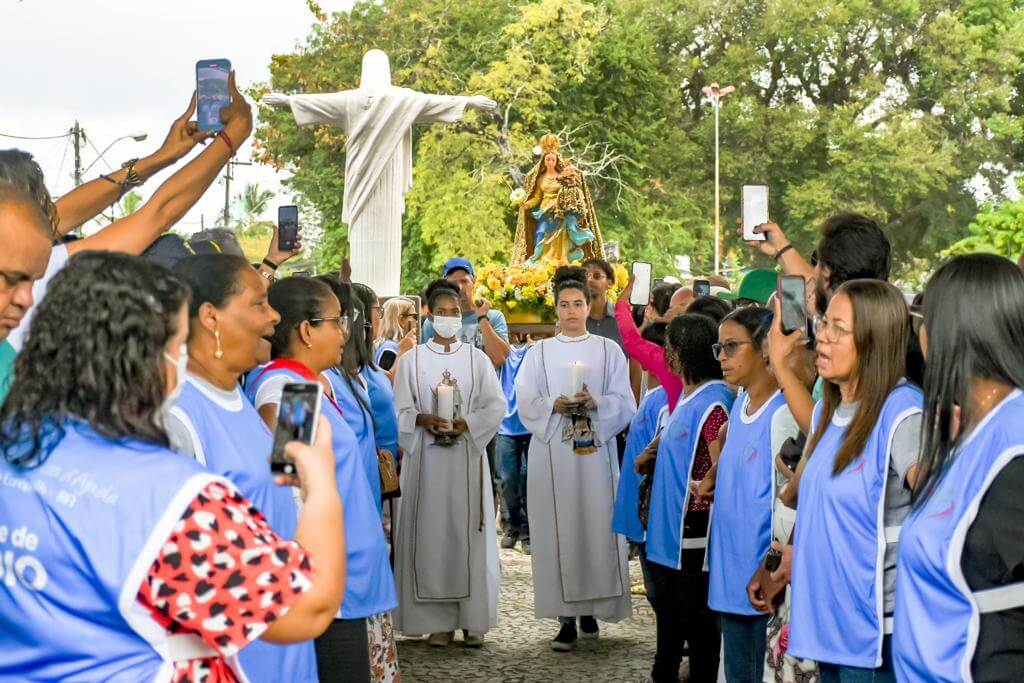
<point x="159" y="569"/>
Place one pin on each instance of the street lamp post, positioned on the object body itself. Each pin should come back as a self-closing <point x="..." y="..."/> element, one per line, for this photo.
<point x="138" y="136"/>
<point x="716" y="94"/>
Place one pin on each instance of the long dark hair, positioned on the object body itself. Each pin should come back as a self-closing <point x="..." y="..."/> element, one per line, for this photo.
<point x="361" y="341"/>
<point x="296" y="299"/>
<point x="94" y="352"/>
<point x="881" y="329"/>
<point x="974" y="322"/>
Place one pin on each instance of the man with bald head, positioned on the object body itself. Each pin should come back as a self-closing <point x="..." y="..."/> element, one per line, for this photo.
<point x="25" y="234"/>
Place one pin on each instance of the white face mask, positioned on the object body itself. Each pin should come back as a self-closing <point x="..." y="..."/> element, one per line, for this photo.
<point x="447" y="328"/>
<point x="180" y="365"/>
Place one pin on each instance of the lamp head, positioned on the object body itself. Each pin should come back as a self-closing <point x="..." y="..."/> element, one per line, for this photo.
<point x="138" y="136"/>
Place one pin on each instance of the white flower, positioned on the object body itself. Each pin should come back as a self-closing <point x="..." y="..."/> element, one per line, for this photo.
<point x="518" y="196"/>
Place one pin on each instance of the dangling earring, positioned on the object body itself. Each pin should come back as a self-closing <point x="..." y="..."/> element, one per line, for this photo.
<point x="218" y="352"/>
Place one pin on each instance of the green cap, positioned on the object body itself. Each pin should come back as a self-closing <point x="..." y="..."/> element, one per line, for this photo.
<point x="758" y="285"/>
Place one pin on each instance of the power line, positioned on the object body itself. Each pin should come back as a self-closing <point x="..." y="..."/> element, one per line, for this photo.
<point x="30" y="137"/>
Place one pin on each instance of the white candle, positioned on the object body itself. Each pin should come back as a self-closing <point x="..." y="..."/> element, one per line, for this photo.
<point x="575" y="378"/>
<point x="446" y="402"/>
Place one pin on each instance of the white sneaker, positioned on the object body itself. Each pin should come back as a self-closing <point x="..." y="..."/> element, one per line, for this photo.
<point x="440" y="639"/>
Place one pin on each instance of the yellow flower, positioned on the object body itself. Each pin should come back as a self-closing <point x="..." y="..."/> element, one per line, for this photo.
<point x="511" y="305"/>
<point x="493" y="282"/>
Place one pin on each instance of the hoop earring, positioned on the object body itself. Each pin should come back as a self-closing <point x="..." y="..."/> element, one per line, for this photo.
<point x="218" y="352"/>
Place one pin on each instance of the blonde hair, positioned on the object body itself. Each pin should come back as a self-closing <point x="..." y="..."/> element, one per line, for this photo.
<point x="391" y="321"/>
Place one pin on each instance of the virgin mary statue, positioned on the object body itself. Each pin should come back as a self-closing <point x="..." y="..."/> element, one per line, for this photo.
<point x="556" y="220"/>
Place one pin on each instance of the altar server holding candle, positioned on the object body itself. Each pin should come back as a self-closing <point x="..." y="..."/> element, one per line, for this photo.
<point x="579" y="563"/>
<point x="449" y="406"/>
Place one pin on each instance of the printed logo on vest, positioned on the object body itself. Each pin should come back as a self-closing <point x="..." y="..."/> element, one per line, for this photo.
<point x="17" y="564"/>
<point x="942" y="503"/>
<point x="750" y="453"/>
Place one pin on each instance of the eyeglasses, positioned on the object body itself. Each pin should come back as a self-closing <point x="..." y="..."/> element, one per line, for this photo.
<point x="405" y="316"/>
<point x="342" y="321"/>
<point x="828" y="331"/>
<point x="730" y="348"/>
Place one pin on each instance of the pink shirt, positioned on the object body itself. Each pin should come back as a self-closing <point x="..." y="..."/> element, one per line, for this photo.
<point x="649" y="355"/>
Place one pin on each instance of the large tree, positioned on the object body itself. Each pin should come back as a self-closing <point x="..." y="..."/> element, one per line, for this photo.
<point x="902" y="109"/>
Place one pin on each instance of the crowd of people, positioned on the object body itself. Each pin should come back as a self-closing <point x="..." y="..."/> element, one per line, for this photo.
<point x="835" y="503"/>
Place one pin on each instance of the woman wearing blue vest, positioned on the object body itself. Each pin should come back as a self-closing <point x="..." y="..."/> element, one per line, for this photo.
<point x="960" y="590"/>
<point x="744" y="488"/>
<point x="127" y="561"/>
<point x="307" y="341"/>
<point x="677" y="528"/>
<point x="854" y="486"/>
<point x="213" y="422"/>
<point x="349" y="389"/>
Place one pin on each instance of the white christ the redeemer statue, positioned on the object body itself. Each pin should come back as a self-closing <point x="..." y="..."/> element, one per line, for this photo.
<point x="378" y="118"/>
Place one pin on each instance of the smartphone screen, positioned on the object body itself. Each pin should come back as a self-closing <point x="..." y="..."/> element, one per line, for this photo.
<point x="287" y="227"/>
<point x="791" y="300"/>
<point x="701" y="288"/>
<point x="211" y="92"/>
<point x="297" y="416"/>
<point x="641" y="295"/>
<point x="755" y="210"/>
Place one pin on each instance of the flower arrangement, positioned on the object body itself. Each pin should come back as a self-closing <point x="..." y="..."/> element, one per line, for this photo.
<point x="525" y="293"/>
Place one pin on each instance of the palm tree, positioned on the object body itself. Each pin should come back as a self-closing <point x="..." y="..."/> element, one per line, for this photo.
<point x="250" y="204"/>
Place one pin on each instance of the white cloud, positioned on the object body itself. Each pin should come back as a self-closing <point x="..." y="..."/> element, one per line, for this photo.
<point x="120" y="66"/>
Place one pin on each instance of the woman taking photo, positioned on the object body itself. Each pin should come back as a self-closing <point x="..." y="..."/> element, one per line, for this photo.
<point x="677" y="527"/>
<point x="211" y="421"/>
<point x="960" y="612"/>
<point x="307" y="341"/>
<point x="744" y="487"/>
<point x="398" y="323"/>
<point x="574" y="396"/>
<point x="854" y="485"/>
<point x="118" y="529"/>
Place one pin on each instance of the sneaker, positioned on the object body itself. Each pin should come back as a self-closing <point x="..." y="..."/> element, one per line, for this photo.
<point x="589" y="628"/>
<point x="526" y="546"/>
<point x="565" y="641"/>
<point x="472" y="639"/>
<point x="440" y="639"/>
<point x="508" y="540"/>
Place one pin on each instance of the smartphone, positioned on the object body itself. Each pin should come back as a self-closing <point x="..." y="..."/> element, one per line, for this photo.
<point x="287" y="227"/>
<point x="641" y="295"/>
<point x="212" y="93"/>
<point x="791" y="301"/>
<point x="297" y="417"/>
<point x="772" y="560"/>
<point x="701" y="288"/>
<point x="754" y="199"/>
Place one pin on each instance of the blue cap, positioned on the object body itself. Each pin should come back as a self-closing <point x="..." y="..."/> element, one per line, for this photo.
<point x="458" y="263"/>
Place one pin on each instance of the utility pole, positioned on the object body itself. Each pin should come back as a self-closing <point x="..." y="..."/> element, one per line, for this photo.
<point x="77" y="134"/>
<point x="227" y="188"/>
<point x="716" y="94"/>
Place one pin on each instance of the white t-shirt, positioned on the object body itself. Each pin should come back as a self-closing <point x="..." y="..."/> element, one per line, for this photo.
<point x="58" y="259"/>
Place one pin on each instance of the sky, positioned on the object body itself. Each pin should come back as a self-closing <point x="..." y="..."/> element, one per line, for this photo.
<point x="125" y="66"/>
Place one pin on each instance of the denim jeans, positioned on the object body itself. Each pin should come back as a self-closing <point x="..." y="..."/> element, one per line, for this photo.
<point x="745" y="638"/>
<point x="834" y="673"/>
<point x="510" y="470"/>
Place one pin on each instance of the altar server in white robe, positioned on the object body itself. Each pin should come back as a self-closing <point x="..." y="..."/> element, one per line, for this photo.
<point x="574" y="396"/>
<point x="446" y="552"/>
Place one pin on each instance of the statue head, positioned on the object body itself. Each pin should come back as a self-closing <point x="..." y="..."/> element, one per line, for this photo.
<point x="376" y="75"/>
<point x="551" y="162"/>
<point x="550" y="143"/>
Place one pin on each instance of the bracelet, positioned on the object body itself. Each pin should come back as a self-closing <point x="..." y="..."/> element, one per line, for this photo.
<point x="270" y="264"/>
<point x="269" y="276"/>
<point x="111" y="180"/>
<point x="227" y="140"/>
<point x="132" y="178"/>
<point x="783" y="250"/>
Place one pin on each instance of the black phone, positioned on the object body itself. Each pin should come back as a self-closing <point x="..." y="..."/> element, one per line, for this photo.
<point x="212" y="92"/>
<point x="772" y="560"/>
<point x="792" y="300"/>
<point x="701" y="288"/>
<point x="287" y="227"/>
<point x="297" y="417"/>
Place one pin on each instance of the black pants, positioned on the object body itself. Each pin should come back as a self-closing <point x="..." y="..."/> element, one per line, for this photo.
<point x="343" y="652"/>
<point x="680" y="601"/>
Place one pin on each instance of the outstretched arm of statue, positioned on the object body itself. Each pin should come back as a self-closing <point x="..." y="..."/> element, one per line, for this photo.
<point x="275" y="99"/>
<point x="482" y="103"/>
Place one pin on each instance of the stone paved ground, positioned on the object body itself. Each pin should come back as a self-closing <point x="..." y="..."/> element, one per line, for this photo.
<point x="518" y="651"/>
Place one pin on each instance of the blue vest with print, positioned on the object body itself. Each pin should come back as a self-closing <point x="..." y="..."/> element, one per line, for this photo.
<point x="361" y="424"/>
<point x="741" y="527"/>
<point x="369" y="583"/>
<point x="642" y="429"/>
<point x="512" y="425"/>
<point x="839" y="545"/>
<point x="937" y="615"/>
<point x="78" y="535"/>
<point x="235" y="445"/>
<point x="670" y="490"/>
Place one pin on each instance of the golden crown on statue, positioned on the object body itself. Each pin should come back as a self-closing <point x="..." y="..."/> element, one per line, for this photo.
<point x="550" y="143"/>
